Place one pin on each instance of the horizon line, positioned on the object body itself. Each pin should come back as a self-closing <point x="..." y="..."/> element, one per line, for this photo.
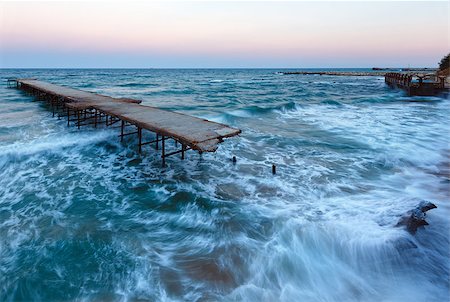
<point x="355" y="67"/>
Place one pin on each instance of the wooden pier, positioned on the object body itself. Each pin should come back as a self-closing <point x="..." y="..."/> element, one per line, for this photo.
<point x="85" y="108"/>
<point x="417" y="84"/>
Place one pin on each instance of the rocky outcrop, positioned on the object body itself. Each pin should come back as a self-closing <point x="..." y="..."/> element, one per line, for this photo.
<point x="415" y="218"/>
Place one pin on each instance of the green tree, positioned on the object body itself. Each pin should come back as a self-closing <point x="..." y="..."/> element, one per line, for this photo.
<point x="444" y="64"/>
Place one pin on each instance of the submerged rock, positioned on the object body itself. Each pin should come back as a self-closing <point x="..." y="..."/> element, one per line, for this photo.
<point x="416" y="218"/>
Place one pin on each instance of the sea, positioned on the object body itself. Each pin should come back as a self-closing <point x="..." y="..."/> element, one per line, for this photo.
<point x="85" y="217"/>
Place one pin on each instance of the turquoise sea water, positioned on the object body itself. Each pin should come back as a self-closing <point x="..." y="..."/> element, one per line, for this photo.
<point x="83" y="217"/>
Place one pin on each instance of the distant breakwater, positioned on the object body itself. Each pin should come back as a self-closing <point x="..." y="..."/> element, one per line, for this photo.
<point x="348" y="73"/>
<point x="337" y="73"/>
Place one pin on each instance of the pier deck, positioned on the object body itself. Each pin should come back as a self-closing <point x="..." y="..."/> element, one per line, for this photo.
<point x="81" y="106"/>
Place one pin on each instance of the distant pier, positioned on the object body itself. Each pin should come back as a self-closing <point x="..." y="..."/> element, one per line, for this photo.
<point x="85" y="108"/>
<point x="417" y="84"/>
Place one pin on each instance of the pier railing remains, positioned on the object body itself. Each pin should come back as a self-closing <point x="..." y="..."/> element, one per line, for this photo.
<point x="416" y="84"/>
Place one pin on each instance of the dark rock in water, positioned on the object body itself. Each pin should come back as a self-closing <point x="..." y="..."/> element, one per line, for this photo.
<point x="416" y="217"/>
<point x="426" y="206"/>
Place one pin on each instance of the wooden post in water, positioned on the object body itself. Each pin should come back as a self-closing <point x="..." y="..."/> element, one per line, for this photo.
<point x="121" y="130"/>
<point x="140" y="139"/>
<point x="163" y="146"/>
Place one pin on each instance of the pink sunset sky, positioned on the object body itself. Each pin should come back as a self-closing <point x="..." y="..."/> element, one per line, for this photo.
<point x="223" y="34"/>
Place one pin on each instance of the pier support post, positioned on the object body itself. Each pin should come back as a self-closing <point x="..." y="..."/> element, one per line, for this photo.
<point x="58" y="106"/>
<point x="183" y="148"/>
<point x="163" y="146"/>
<point x="140" y="139"/>
<point x="95" y="118"/>
<point x="121" y="130"/>
<point x="78" y="118"/>
<point x="68" y="117"/>
<point x="157" y="141"/>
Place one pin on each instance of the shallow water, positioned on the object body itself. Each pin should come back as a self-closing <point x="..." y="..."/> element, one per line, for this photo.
<point x="84" y="217"/>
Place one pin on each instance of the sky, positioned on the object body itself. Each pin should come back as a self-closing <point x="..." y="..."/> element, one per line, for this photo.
<point x="215" y="34"/>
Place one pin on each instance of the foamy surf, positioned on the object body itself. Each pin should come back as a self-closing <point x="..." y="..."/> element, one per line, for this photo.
<point x="85" y="217"/>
